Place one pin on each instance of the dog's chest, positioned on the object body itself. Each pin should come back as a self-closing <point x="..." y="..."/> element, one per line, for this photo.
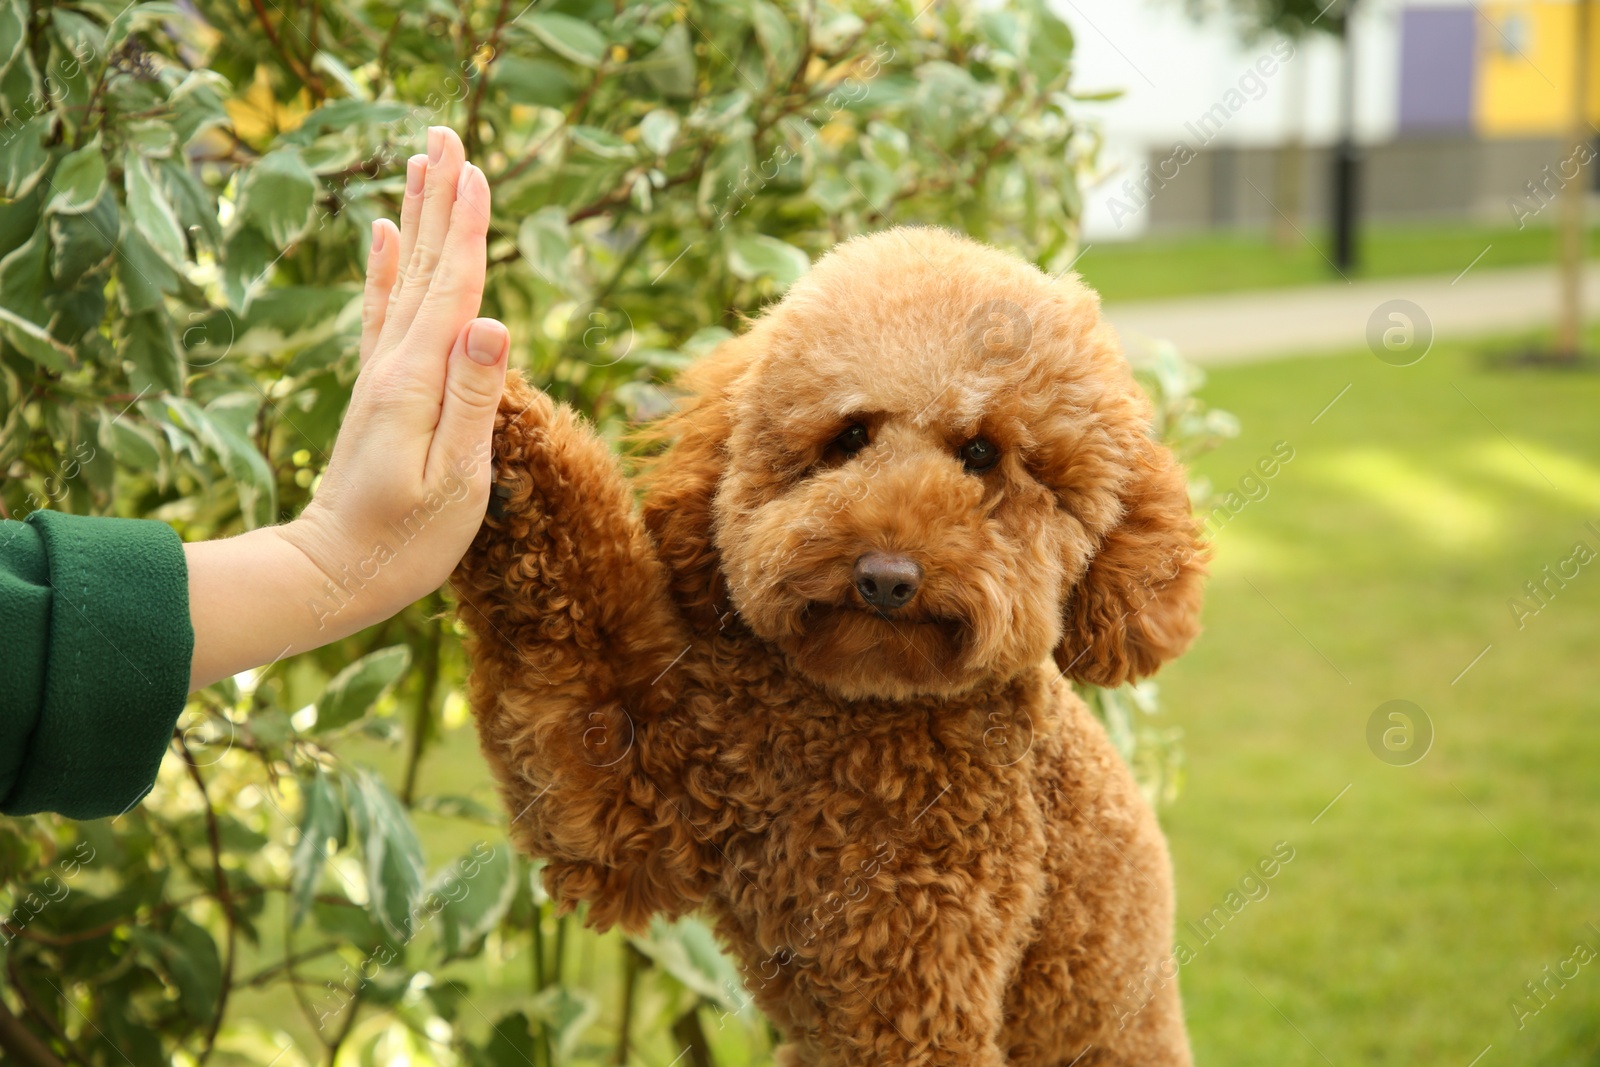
<point x="839" y="807"/>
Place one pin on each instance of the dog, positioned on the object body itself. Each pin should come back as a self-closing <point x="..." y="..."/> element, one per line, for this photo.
<point x="809" y="671"/>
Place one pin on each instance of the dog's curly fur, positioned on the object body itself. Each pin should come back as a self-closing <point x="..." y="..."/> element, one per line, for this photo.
<point x="920" y="843"/>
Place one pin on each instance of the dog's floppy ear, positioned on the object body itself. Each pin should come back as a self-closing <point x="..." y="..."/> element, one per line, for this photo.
<point x="1138" y="604"/>
<point x="681" y="482"/>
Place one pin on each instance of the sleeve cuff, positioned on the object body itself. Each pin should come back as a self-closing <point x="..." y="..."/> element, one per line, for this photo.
<point x="119" y="658"/>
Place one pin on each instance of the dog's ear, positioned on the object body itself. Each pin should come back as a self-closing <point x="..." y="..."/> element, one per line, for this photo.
<point x="681" y="482"/>
<point x="1138" y="604"/>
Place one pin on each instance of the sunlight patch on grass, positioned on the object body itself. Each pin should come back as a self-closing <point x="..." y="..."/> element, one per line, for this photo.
<point x="1529" y="466"/>
<point x="1447" y="516"/>
<point x="1237" y="551"/>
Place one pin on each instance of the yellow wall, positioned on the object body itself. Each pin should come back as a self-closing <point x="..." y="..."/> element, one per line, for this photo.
<point x="1525" y="67"/>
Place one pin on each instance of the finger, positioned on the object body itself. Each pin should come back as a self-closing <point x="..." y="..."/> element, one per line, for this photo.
<point x="445" y="160"/>
<point x="383" y="264"/>
<point x="474" y="378"/>
<point x="411" y="205"/>
<point x="457" y="288"/>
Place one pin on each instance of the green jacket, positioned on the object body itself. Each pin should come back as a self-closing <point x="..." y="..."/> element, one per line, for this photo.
<point x="95" y="647"/>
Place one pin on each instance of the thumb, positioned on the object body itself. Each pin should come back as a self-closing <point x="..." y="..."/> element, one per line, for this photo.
<point x="474" y="378"/>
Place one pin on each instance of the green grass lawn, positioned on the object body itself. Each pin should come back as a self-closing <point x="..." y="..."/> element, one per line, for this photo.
<point x="1216" y="262"/>
<point x="1378" y="567"/>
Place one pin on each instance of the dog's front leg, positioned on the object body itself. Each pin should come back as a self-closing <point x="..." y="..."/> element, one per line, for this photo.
<point x="572" y="630"/>
<point x="916" y="981"/>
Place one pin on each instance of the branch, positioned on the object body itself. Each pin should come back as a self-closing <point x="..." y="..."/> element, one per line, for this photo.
<point x="493" y="44"/>
<point x="574" y="113"/>
<point x="422" y="720"/>
<point x="224" y="897"/>
<point x="300" y="70"/>
<point x="19" y="1042"/>
<point x="287" y="964"/>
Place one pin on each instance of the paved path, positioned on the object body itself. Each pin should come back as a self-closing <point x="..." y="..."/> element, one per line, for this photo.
<point x="1313" y="320"/>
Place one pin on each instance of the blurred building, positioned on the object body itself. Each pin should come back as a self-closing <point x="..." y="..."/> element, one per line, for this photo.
<point x="1461" y="108"/>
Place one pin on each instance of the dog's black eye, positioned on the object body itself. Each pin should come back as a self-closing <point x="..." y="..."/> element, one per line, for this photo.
<point x="853" y="440"/>
<point x="979" y="454"/>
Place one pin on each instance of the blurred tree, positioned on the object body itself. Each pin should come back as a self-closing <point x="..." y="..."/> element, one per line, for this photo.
<point x="1569" y="321"/>
<point x="321" y="874"/>
<point x="1296" y="20"/>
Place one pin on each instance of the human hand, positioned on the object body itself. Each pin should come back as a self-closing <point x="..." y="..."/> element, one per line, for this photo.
<point x="408" y="482"/>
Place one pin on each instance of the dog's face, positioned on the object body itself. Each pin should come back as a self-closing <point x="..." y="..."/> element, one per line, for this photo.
<point x="922" y="453"/>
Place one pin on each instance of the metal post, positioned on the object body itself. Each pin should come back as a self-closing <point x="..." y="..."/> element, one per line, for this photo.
<point x="1346" y="156"/>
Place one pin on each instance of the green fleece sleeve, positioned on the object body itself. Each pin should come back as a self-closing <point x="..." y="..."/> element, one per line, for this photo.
<point x="94" y="620"/>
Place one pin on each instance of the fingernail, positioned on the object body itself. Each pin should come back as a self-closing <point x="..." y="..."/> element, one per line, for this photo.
<point x="377" y="237"/>
<point x="466" y="177"/>
<point x="416" y="171"/>
<point x="486" y="341"/>
<point x="435" y="143"/>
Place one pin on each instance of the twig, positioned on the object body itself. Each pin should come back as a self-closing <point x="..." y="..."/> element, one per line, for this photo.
<point x="224" y="897"/>
<point x="19" y="1042"/>
<point x="287" y="965"/>
<point x="574" y="113"/>
<point x="493" y="44"/>
<point x="33" y="1010"/>
<point x="290" y="60"/>
<point x="422" y="718"/>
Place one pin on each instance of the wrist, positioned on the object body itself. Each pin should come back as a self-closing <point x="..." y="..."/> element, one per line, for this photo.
<point x="339" y="591"/>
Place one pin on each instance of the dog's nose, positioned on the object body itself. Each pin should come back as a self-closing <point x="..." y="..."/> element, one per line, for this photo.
<point x="887" y="581"/>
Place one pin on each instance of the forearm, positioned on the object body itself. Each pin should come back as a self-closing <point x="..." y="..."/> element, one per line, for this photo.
<point x="256" y="598"/>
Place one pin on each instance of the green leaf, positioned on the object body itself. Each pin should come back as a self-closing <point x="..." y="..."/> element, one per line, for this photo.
<point x="1050" y="44"/>
<point x="247" y="264"/>
<point x="34" y="341"/>
<point x="339" y="115"/>
<point x="79" y="243"/>
<point x="146" y="343"/>
<point x="132" y="443"/>
<point x="477" y="890"/>
<point x="23" y="159"/>
<point x="392" y="854"/>
<point x="321" y="818"/>
<point x="78" y="181"/>
<point x="874" y="181"/>
<point x="151" y="138"/>
<point x="276" y="196"/>
<point x="287" y="317"/>
<point x="23" y="277"/>
<point x="670" y="67"/>
<point x="13" y="31"/>
<point x="188" y="957"/>
<point x="137" y="17"/>
<point x="569" y="38"/>
<point x="142" y="275"/>
<point x="755" y="256"/>
<point x="538" y="82"/>
<point x="223" y="428"/>
<point x="688" y="950"/>
<point x="349" y="922"/>
<point x="151" y="212"/>
<point x="354" y="690"/>
<point x="196" y="208"/>
<point x="659" y="130"/>
<point x="456" y="806"/>
<point x="510" y="1043"/>
<point x="776" y="34"/>
<point x="196" y="104"/>
<point x="567" y="1012"/>
<point x="545" y="242"/>
<point x="598" y="142"/>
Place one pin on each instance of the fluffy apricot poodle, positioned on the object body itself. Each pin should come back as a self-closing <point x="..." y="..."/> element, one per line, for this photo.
<point x="814" y="682"/>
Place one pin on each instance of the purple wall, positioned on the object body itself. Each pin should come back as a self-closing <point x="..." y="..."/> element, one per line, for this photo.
<point x="1436" y="68"/>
